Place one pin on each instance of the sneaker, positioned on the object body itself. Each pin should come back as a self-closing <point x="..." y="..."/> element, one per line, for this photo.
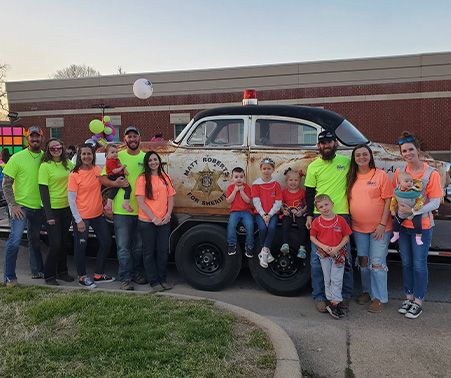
<point x="52" y="281"/>
<point x="156" y="288"/>
<point x="127" y="285"/>
<point x="167" y="286"/>
<point x="108" y="209"/>
<point x="364" y="298"/>
<point x="86" y="282"/>
<point x="405" y="306"/>
<point x="38" y="276"/>
<point x="232" y="249"/>
<point x="414" y="312"/>
<point x="321" y="306"/>
<point x="140" y="280"/>
<point x="12" y="283"/>
<point x="103" y="278"/>
<point x="66" y="277"/>
<point x="270" y="258"/>
<point x="128" y="208"/>
<point x="344" y="304"/>
<point x="302" y="253"/>
<point x="263" y="257"/>
<point x="340" y="312"/>
<point x="333" y="311"/>
<point x="285" y="248"/>
<point x="376" y="306"/>
<point x="249" y="252"/>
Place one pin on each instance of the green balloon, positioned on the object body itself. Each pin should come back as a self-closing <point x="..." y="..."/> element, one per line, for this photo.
<point x="106" y="119"/>
<point x="96" y="126"/>
<point x="108" y="130"/>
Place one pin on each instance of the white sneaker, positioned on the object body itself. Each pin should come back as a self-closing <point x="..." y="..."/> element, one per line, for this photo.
<point x="263" y="257"/>
<point x="270" y="257"/>
<point x="285" y="248"/>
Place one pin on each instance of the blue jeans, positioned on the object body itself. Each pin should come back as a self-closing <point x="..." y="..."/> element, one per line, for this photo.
<point x="267" y="234"/>
<point x="103" y="235"/>
<point x="318" y="292"/>
<point x="414" y="261"/>
<point x="129" y="246"/>
<point x="248" y="221"/>
<point x="32" y="220"/>
<point x="374" y="281"/>
<point x="155" y="250"/>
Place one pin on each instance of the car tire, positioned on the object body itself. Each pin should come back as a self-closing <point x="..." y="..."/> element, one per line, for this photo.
<point x="287" y="275"/>
<point x="201" y="258"/>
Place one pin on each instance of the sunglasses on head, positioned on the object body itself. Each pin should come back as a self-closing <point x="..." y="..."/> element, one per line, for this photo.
<point x="408" y="139"/>
<point x="55" y="148"/>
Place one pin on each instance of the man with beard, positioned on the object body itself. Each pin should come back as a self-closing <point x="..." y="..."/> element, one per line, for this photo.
<point x="128" y="240"/>
<point x="24" y="201"/>
<point x="327" y="175"/>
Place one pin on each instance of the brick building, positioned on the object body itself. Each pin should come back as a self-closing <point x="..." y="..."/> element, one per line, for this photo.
<point x="381" y="96"/>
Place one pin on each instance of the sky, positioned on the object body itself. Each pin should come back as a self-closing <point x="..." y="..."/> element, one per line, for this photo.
<point x="41" y="37"/>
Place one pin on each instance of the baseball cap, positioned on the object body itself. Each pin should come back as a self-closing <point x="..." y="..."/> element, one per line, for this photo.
<point x="132" y="128"/>
<point x="34" y="129"/>
<point x="326" y="136"/>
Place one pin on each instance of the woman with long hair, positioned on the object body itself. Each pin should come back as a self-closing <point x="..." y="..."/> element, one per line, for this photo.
<point x="414" y="256"/>
<point x="155" y="195"/>
<point x="53" y="175"/>
<point x="369" y="192"/>
<point x="85" y="199"/>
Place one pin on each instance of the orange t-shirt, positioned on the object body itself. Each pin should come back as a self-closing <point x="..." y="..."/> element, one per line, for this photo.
<point x="433" y="190"/>
<point x="88" y="188"/>
<point x="160" y="193"/>
<point x="367" y="201"/>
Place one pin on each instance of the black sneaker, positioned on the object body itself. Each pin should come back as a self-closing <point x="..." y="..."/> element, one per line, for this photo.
<point x="86" y="282"/>
<point x="333" y="311"/>
<point x="405" y="306"/>
<point x="340" y="312"/>
<point x="52" y="281"/>
<point x="66" y="277"/>
<point x="38" y="276"/>
<point x="231" y="250"/>
<point x="99" y="278"/>
<point x="249" y="252"/>
<point x="414" y="312"/>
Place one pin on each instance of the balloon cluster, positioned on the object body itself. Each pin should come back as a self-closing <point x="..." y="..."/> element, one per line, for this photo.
<point x="103" y="131"/>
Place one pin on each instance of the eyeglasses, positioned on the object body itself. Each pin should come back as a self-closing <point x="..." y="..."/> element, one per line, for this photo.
<point x="408" y="139"/>
<point x="55" y="148"/>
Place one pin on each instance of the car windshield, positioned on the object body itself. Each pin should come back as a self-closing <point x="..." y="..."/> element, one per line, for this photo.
<point x="349" y="135"/>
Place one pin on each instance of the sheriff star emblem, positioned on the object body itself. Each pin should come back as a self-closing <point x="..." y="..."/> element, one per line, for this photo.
<point x="207" y="181"/>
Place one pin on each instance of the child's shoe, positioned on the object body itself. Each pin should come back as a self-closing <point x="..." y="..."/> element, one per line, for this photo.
<point x="418" y="240"/>
<point x="127" y="207"/>
<point x="263" y="257"/>
<point x="270" y="257"/>
<point x="231" y="249"/>
<point x="108" y="209"/>
<point x="333" y="311"/>
<point x="395" y="237"/>
<point x="249" y="252"/>
<point x="302" y="254"/>
<point x="285" y="248"/>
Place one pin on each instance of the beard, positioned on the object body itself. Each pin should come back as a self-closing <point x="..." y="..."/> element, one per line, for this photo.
<point x="133" y="147"/>
<point x="329" y="154"/>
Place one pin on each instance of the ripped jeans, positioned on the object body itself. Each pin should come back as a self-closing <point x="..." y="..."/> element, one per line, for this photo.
<point x="374" y="281"/>
<point x="103" y="236"/>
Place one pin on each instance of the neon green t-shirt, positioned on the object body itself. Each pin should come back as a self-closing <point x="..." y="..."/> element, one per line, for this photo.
<point x="135" y="166"/>
<point x="329" y="177"/>
<point x="23" y="167"/>
<point x="55" y="176"/>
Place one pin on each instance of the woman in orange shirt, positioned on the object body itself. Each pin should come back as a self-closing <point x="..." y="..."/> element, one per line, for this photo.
<point x="369" y="192"/>
<point x="154" y="193"/>
<point x="414" y="256"/>
<point x="85" y="201"/>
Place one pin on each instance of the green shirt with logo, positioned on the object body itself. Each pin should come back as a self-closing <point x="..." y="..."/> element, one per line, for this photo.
<point x="55" y="176"/>
<point x="135" y="166"/>
<point x="23" y="167"/>
<point x="329" y="177"/>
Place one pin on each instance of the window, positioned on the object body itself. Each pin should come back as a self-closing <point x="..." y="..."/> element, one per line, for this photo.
<point x="116" y="136"/>
<point x="56" y="132"/>
<point x="284" y="133"/>
<point x="178" y="129"/>
<point x="223" y="132"/>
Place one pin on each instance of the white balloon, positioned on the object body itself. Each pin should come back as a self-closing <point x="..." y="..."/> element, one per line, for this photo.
<point x="142" y="88"/>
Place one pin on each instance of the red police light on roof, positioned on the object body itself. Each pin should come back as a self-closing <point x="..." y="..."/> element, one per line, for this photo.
<point x="250" y="97"/>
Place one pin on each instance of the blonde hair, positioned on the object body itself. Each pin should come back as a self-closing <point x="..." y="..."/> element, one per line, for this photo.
<point x="321" y="197"/>
<point x="402" y="175"/>
<point x="109" y="146"/>
<point x="292" y="172"/>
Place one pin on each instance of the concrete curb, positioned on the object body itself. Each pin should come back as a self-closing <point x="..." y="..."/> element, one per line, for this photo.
<point x="288" y="363"/>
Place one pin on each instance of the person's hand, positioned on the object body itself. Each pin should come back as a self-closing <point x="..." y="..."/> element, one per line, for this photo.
<point x="404" y="209"/>
<point x="393" y="213"/>
<point x="236" y="189"/>
<point x="267" y="218"/>
<point x="166" y="218"/>
<point x="308" y="222"/>
<point x="51" y="221"/>
<point x="332" y="251"/>
<point x="121" y="182"/>
<point x="378" y="232"/>
<point x="241" y="188"/>
<point x="125" y="172"/>
<point x="17" y="213"/>
<point x="81" y="227"/>
<point x="158" y="222"/>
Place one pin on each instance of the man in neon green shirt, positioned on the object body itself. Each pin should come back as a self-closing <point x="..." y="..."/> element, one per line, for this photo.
<point x="128" y="239"/>
<point x="21" y="190"/>
<point x="327" y="175"/>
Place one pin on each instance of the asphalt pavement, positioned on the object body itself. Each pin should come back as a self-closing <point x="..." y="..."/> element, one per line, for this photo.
<point x="369" y="345"/>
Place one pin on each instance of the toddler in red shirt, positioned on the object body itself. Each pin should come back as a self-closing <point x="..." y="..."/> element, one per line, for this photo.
<point x="114" y="170"/>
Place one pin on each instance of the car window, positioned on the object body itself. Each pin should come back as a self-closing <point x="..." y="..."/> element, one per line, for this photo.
<point x="284" y="133"/>
<point x="222" y="132"/>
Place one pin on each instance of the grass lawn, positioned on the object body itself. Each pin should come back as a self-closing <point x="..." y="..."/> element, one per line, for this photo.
<point x="47" y="332"/>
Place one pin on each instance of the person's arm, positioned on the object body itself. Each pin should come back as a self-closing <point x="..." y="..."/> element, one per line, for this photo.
<point x="380" y="228"/>
<point x="324" y="247"/>
<point x="334" y="250"/>
<point x="72" y="198"/>
<point x="232" y="196"/>
<point x="146" y="210"/>
<point x="167" y="216"/>
<point x="8" y="192"/>
<point x="120" y="182"/>
<point x="244" y="196"/>
<point x="258" y="206"/>
<point x="45" y="198"/>
<point x="310" y="200"/>
<point x="433" y="204"/>
<point x="275" y="207"/>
